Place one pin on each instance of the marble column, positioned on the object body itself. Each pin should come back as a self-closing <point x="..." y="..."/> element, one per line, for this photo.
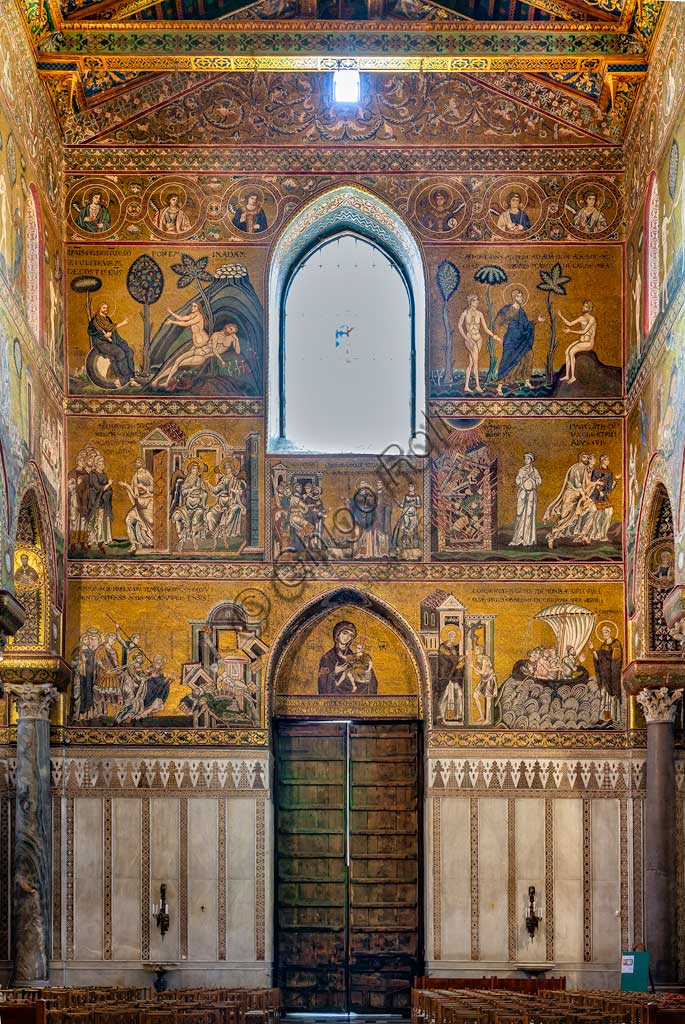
<point x="659" y="707"/>
<point x="31" y="900"/>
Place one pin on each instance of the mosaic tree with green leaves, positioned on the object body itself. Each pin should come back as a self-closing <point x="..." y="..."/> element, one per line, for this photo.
<point x="448" y="282"/>
<point x="552" y="283"/>
<point x="491" y="275"/>
<point x="145" y="284"/>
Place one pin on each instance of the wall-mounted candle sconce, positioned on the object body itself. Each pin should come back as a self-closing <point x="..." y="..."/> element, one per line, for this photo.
<point x="160" y="911"/>
<point x="532" y="917"/>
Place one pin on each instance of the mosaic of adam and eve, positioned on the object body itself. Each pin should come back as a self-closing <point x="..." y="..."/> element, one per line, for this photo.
<point x="502" y="326"/>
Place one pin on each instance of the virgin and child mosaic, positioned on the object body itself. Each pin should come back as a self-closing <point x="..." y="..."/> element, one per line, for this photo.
<point x="129" y="335"/>
<point x="347" y="657"/>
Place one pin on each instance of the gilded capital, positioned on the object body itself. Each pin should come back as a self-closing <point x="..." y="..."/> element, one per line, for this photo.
<point x="659" y="705"/>
<point x="32" y="701"/>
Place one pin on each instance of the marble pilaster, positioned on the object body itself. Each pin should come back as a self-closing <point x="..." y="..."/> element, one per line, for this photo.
<point x="32" y="851"/>
<point x="659" y="707"/>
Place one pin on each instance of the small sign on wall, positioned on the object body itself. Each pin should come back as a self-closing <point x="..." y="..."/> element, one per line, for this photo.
<point x="634" y="972"/>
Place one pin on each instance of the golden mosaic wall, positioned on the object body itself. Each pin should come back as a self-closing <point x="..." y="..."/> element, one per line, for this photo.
<point x="32" y="332"/>
<point x="176" y="509"/>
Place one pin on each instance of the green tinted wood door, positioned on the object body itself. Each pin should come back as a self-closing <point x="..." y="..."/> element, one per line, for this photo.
<point x="348" y="880"/>
<point x="384" y="904"/>
<point x="311" y="876"/>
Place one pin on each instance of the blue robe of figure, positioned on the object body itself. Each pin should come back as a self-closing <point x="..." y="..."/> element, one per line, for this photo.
<point x="518" y="339"/>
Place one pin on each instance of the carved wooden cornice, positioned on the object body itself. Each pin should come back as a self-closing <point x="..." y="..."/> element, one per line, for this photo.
<point x="654" y="674"/>
<point x="35" y="670"/>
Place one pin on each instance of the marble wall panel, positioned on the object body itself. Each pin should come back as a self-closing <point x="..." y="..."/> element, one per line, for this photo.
<point x="88" y="875"/>
<point x="126" y="889"/>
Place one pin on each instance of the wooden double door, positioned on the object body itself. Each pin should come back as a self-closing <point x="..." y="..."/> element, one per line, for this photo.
<point x="348" y="865"/>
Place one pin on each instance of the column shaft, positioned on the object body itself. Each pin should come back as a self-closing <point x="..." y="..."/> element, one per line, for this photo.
<point x="31" y="894"/>
<point x="660" y="852"/>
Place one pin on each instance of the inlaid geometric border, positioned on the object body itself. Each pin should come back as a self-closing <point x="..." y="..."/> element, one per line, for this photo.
<point x="260" y="892"/>
<point x="157" y="407"/>
<point x="4" y="878"/>
<point x="638" y="923"/>
<point x="323" y="160"/>
<point x="221" y="880"/>
<point x="70" y="878"/>
<point x="183" y="877"/>
<point x="56" y="878"/>
<point x="290" y="575"/>
<point x="437" y="884"/>
<point x="145" y="880"/>
<point x="473" y="814"/>
<point x="511" y="876"/>
<point x="493" y="408"/>
<point x="587" y="881"/>
<point x="549" y="880"/>
<point x="107" y="878"/>
<point x="624" y="869"/>
<point x="571" y="776"/>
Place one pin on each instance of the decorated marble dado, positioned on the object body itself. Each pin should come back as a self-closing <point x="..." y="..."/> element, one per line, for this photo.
<point x="154" y="774"/>
<point x="570" y="775"/>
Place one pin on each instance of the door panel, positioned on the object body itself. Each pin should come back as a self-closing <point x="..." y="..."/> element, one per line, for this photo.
<point x="348" y="865"/>
<point x="311" y="888"/>
<point x="384" y="866"/>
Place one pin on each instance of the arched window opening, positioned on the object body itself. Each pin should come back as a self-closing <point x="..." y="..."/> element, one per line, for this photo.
<point x="347" y="330"/>
<point x="652" y="256"/>
<point x="31" y="581"/>
<point x="348" y="347"/>
<point x="34" y="265"/>
<point x="660" y="560"/>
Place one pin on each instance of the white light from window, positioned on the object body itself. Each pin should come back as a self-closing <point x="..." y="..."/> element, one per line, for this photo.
<point x="346" y="85"/>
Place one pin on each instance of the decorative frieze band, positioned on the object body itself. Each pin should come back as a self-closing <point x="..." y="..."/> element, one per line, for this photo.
<point x="451" y="775"/>
<point x="80" y="775"/>
<point x="290" y="575"/>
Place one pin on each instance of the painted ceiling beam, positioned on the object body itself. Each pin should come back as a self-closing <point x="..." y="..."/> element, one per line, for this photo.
<point x="319" y="46"/>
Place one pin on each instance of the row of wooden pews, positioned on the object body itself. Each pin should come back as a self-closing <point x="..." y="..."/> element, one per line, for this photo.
<point x="522" y="1001"/>
<point x="139" y="1006"/>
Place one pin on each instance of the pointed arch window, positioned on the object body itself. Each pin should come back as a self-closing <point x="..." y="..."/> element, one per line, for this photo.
<point x="347" y="330"/>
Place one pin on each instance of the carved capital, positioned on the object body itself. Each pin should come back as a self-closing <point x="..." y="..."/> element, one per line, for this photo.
<point x="659" y="705"/>
<point x="12" y="616"/>
<point x="32" y="701"/>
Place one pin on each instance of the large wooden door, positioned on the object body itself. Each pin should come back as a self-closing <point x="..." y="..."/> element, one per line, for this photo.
<point x="348" y="873"/>
<point x="311" y="866"/>
<point x="385" y="923"/>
